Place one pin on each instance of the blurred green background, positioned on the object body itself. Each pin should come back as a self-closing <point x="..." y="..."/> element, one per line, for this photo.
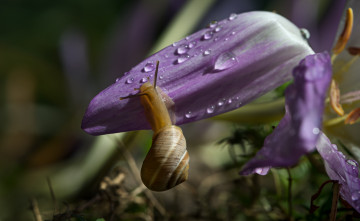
<point x="56" y="55"/>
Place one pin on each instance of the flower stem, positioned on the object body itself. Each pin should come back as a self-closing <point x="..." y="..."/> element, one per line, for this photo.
<point x="336" y="191"/>
<point x="289" y="192"/>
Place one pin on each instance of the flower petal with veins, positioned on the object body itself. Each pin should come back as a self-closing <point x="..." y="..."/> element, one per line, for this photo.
<point x="339" y="168"/>
<point x="239" y="58"/>
<point x="298" y="131"/>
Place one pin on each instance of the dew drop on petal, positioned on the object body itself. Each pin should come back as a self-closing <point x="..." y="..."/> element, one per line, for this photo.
<point x="352" y="162"/>
<point x="182" y="58"/>
<point x="174" y="44"/>
<point x="355" y="196"/>
<point x="212" y="24"/>
<point x="232" y="16"/>
<point x="117" y="79"/>
<point x="182" y="49"/>
<point x="233" y="33"/>
<point x="342" y="155"/>
<point x="192" y="44"/>
<point x="334" y="146"/>
<point x="218" y="28"/>
<point x="305" y="33"/>
<point x="208" y="35"/>
<point x="259" y="170"/>
<point x="161" y="77"/>
<point x="220" y="103"/>
<point x="224" y="61"/>
<point x="207" y="52"/>
<point x="316" y="130"/>
<point x="129" y="80"/>
<point x="188" y="114"/>
<point x="210" y="109"/>
<point x="143" y="80"/>
<point x="216" y="39"/>
<point x="229" y="101"/>
<point x="149" y="67"/>
<point x="226" y="39"/>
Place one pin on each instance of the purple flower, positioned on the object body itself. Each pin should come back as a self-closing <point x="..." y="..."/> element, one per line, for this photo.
<point x="298" y="131"/>
<point x="212" y="71"/>
<point x="339" y="168"/>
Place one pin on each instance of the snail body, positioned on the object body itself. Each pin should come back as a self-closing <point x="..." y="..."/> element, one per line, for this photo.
<point x="167" y="162"/>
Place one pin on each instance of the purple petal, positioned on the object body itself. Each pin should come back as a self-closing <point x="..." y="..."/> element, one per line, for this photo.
<point x="223" y="66"/>
<point x="298" y="131"/>
<point x="339" y="168"/>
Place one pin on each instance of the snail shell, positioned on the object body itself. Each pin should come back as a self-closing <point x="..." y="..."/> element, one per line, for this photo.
<point x="167" y="162"/>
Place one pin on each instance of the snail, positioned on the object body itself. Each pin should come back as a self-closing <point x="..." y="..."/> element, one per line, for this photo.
<point x="167" y="162"/>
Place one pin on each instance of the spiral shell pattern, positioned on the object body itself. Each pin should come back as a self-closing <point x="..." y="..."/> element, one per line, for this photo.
<point x="167" y="162"/>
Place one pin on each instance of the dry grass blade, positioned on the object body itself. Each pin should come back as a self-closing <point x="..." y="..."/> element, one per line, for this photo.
<point x="135" y="171"/>
<point x="35" y="209"/>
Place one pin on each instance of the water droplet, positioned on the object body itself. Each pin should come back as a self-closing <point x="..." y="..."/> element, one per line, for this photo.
<point x="210" y="109"/>
<point x="161" y="77"/>
<point x="226" y="39"/>
<point x="212" y="24"/>
<point x="149" y="67"/>
<point x="316" y="130"/>
<point x="220" y="103"/>
<point x="305" y="33"/>
<point x="237" y="98"/>
<point x="233" y="33"/>
<point x="232" y="16"/>
<point x="166" y="56"/>
<point x="188" y="114"/>
<point x="342" y="155"/>
<point x="174" y="44"/>
<point x="187" y="38"/>
<point x="334" y="146"/>
<point x="218" y="28"/>
<point x="182" y="49"/>
<point x="207" y="52"/>
<point x="192" y="44"/>
<point x="259" y="170"/>
<point x="129" y="80"/>
<point x="225" y="60"/>
<point x="182" y="58"/>
<point x="216" y="39"/>
<point x="352" y="163"/>
<point x="229" y="101"/>
<point x="355" y="196"/>
<point x="117" y="79"/>
<point x="143" y="80"/>
<point x="208" y="35"/>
